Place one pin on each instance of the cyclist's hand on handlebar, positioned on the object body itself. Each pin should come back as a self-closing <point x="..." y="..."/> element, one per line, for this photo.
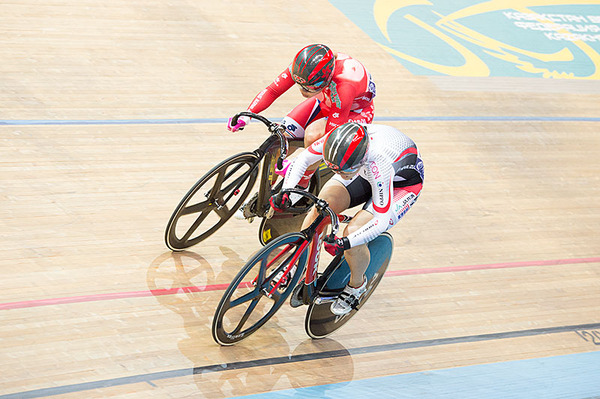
<point x="336" y="245"/>
<point x="240" y="125"/>
<point x="280" y="202"/>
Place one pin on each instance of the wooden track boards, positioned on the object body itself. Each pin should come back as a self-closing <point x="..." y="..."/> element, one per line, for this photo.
<point x="498" y="261"/>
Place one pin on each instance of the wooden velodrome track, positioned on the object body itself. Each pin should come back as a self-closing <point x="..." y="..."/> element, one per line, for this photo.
<point x="112" y="110"/>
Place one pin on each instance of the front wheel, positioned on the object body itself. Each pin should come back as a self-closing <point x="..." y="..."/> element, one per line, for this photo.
<point x="253" y="296"/>
<point x="212" y="201"/>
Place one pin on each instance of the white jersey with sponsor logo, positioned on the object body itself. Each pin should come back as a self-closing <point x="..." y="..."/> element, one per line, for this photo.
<point x="392" y="161"/>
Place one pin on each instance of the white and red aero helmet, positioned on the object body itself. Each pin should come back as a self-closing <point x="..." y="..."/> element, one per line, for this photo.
<point x="345" y="149"/>
<point x="313" y="66"/>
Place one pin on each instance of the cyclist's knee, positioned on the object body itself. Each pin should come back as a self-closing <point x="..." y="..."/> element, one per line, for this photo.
<point x="358" y="221"/>
<point x="314" y="131"/>
<point x="310" y="217"/>
<point x="336" y="196"/>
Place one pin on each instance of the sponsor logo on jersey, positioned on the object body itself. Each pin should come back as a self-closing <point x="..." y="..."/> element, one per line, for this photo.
<point x="401" y="210"/>
<point x="380" y="192"/>
<point x="291" y="128"/>
<point x="372" y="89"/>
<point x="375" y="170"/>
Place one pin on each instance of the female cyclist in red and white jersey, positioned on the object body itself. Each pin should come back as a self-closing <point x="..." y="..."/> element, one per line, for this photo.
<point x="376" y="165"/>
<point x="337" y="88"/>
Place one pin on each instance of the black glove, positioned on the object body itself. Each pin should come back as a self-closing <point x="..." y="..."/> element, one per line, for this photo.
<point x="280" y="202"/>
<point x="336" y="245"/>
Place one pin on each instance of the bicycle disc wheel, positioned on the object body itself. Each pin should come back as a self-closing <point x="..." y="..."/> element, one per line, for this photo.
<point x="211" y="201"/>
<point x="251" y="299"/>
<point x="291" y="219"/>
<point x="320" y="321"/>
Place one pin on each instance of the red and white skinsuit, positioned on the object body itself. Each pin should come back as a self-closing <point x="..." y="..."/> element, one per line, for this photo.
<point x="349" y="97"/>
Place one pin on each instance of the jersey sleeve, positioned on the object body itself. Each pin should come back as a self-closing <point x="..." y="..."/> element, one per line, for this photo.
<point x="272" y="92"/>
<point x="382" y="188"/>
<point x="307" y="157"/>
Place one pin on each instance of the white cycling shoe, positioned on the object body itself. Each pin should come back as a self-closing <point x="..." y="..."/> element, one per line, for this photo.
<point x="239" y="214"/>
<point x="348" y="299"/>
<point x="244" y="212"/>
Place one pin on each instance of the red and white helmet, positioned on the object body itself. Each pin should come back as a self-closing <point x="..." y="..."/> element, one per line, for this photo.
<point x="313" y="66"/>
<point x="345" y="149"/>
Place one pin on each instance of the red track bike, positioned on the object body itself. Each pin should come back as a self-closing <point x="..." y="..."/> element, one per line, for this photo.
<point x="274" y="272"/>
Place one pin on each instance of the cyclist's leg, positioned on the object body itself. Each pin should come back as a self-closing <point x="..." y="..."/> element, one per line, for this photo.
<point x="358" y="257"/>
<point x="314" y="131"/>
<point x="305" y="114"/>
<point x="336" y="195"/>
<point x="301" y="116"/>
<point x="359" y="192"/>
<point x="354" y="191"/>
<point x="403" y="199"/>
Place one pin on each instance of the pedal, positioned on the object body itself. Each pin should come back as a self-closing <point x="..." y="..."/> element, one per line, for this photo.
<point x="248" y="210"/>
<point x="325" y="299"/>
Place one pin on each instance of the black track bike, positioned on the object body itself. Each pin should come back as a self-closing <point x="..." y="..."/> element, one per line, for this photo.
<point x="223" y="189"/>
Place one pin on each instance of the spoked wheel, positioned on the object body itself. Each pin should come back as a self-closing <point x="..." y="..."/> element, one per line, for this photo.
<point x="211" y="201"/>
<point x="320" y="321"/>
<point x="253" y="296"/>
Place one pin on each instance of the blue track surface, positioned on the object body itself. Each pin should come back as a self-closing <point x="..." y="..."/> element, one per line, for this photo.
<point x="575" y="376"/>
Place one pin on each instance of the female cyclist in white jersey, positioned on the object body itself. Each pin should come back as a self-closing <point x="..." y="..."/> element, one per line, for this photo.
<point x="376" y="165"/>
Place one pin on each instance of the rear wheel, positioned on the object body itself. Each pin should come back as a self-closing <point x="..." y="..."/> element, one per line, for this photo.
<point x="320" y="321"/>
<point x="291" y="220"/>
<point x="211" y="201"/>
<point x="253" y="296"/>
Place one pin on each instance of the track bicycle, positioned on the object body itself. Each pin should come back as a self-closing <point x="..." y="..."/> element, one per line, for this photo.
<point x="218" y="194"/>
<point x="269" y="278"/>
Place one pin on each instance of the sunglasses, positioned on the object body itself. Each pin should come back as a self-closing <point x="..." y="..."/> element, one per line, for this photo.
<point x="311" y="89"/>
<point x="348" y="171"/>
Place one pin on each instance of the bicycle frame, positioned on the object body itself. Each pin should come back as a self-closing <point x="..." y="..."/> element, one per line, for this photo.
<point x="316" y="244"/>
<point x="271" y="152"/>
<point x="218" y="194"/>
<point x="267" y="153"/>
<point x="314" y="237"/>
